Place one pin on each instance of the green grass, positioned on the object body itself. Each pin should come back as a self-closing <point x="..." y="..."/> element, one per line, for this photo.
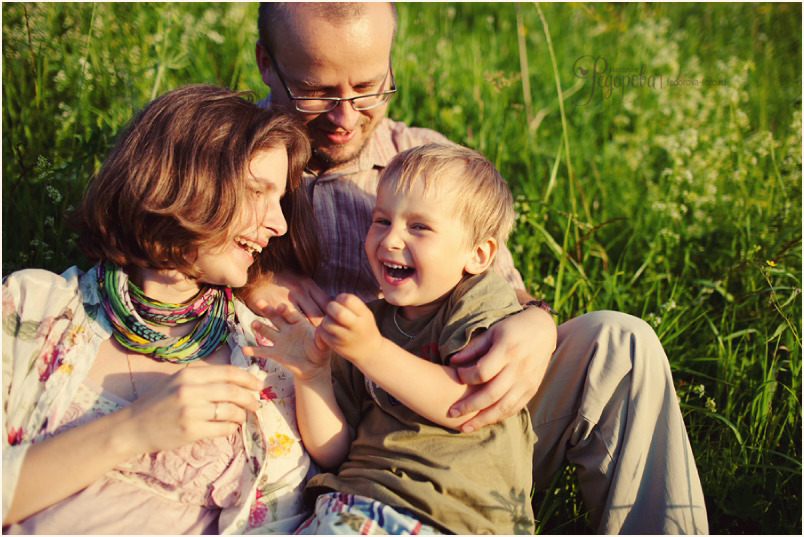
<point x="680" y="204"/>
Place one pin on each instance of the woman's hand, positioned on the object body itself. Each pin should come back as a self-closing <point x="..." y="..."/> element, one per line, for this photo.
<point x="292" y="343"/>
<point x="194" y="403"/>
<point x="510" y="358"/>
<point x="350" y="329"/>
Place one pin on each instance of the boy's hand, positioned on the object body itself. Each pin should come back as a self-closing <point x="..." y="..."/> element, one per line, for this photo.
<point x="349" y="329"/>
<point x="292" y="343"/>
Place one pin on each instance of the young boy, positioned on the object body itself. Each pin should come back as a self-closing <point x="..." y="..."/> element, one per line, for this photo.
<point x="399" y="464"/>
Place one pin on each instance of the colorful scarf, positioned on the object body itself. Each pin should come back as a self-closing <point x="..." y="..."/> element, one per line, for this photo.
<point x="128" y="309"/>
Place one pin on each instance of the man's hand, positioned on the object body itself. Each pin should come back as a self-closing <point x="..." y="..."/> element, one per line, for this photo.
<point x="300" y="293"/>
<point x="510" y="358"/>
<point x="350" y="329"/>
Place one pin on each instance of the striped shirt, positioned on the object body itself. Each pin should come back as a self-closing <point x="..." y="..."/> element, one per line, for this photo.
<point x="343" y="198"/>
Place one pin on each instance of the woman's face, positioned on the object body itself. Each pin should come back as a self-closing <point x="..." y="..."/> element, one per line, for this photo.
<point x="258" y="219"/>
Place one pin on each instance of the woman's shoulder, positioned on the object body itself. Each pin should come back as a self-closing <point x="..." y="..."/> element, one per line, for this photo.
<point x="34" y="279"/>
<point x="34" y="284"/>
<point x="39" y="293"/>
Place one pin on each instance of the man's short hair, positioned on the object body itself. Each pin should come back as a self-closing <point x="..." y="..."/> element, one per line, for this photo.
<point x="177" y="176"/>
<point x="271" y="15"/>
<point x="483" y="201"/>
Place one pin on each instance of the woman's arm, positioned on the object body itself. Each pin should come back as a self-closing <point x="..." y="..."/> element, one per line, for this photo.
<point x="194" y="403"/>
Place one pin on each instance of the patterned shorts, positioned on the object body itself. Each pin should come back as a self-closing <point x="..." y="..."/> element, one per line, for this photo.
<point x="349" y="514"/>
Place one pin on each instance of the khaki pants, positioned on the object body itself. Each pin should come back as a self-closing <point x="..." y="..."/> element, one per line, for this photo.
<point x="608" y="405"/>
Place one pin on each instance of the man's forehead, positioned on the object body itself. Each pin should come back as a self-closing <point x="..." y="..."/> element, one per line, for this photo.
<point x="333" y="56"/>
<point x="312" y="29"/>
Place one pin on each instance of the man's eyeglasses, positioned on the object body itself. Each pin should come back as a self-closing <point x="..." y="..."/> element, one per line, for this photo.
<point x="320" y="105"/>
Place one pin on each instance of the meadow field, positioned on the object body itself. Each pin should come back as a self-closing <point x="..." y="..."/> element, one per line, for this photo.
<point x="654" y="152"/>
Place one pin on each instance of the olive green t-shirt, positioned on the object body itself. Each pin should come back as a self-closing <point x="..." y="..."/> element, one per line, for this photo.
<point x="466" y="483"/>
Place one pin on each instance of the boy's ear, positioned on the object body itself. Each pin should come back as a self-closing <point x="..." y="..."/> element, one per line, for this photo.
<point x="482" y="257"/>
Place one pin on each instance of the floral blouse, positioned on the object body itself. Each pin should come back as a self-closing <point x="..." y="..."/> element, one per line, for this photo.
<point x="52" y="328"/>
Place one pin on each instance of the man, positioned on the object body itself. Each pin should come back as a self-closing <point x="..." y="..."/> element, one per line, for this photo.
<point x="604" y="399"/>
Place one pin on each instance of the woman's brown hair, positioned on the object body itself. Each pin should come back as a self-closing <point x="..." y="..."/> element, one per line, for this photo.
<point x="175" y="177"/>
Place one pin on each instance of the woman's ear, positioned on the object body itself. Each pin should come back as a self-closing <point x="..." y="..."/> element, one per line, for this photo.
<point x="482" y="257"/>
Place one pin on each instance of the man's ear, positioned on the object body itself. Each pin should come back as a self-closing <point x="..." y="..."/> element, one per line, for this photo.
<point x="263" y="62"/>
<point x="482" y="257"/>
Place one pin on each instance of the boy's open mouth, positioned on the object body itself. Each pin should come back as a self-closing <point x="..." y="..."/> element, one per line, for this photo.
<point x="398" y="272"/>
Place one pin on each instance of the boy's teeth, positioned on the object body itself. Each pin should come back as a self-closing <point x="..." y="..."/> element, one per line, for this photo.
<point x="398" y="272"/>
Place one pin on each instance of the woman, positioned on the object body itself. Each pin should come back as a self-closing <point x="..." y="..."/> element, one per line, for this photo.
<point x="127" y="404"/>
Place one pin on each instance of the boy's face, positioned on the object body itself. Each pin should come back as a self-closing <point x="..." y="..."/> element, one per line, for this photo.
<point x="417" y="246"/>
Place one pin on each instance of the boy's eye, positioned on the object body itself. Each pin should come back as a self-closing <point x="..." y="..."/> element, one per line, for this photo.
<point x="419" y="227"/>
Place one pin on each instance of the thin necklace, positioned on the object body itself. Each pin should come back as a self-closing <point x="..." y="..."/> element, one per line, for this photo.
<point x="396" y="309"/>
<point x="131" y="375"/>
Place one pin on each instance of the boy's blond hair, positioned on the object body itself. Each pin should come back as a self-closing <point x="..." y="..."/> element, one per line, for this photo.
<point x="482" y="198"/>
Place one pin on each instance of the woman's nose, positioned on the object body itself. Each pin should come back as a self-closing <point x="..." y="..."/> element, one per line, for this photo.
<point x="274" y="220"/>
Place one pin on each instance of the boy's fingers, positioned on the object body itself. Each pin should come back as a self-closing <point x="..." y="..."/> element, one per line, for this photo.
<point x="338" y="313"/>
<point x="351" y="302"/>
<point x="320" y="341"/>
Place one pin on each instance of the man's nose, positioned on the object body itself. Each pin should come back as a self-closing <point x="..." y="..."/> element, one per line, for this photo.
<point x="344" y="116"/>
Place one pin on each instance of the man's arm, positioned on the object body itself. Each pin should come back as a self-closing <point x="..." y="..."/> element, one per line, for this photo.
<point x="508" y="362"/>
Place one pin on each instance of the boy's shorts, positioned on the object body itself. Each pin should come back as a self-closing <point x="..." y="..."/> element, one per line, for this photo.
<point x="349" y="514"/>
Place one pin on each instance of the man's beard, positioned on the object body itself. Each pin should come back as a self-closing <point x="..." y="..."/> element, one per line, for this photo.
<point x="328" y="161"/>
<point x="330" y="156"/>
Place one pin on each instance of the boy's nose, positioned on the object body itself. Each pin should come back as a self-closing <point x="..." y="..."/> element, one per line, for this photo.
<point x="392" y="241"/>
